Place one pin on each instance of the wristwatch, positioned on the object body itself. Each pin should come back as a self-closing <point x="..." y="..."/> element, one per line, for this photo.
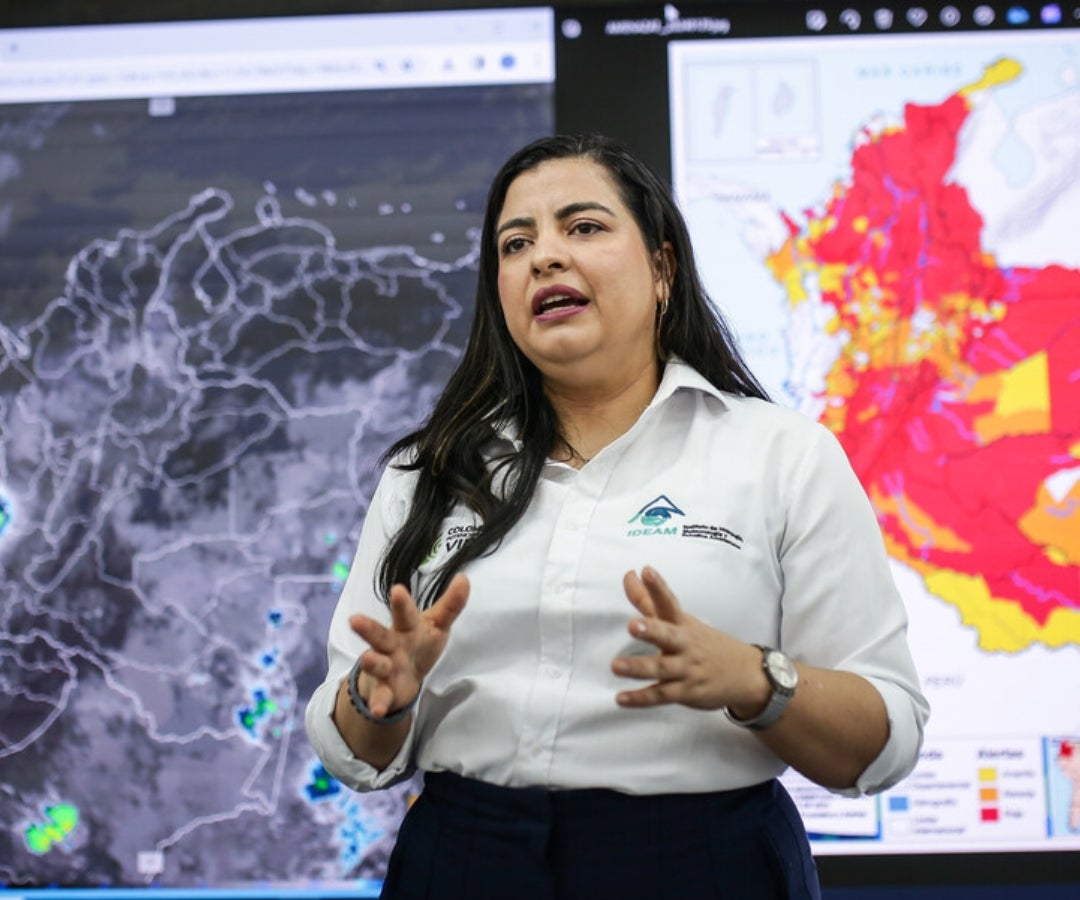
<point x="783" y="677"/>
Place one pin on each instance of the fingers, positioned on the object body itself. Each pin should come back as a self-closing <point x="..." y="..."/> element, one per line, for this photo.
<point x="404" y="633"/>
<point x="667" y="669"/>
<point x="400" y="655"/>
<point x="650" y="668"/>
<point x="673" y="677"/>
<point x="675" y="670"/>
<point x="381" y="699"/>
<point x="664" y="600"/>
<point x="376" y="634"/>
<point x="448" y="607"/>
<point x="653" y="695"/>
<point x="387" y="684"/>
<point x="638" y="594"/>
<point x="380" y="696"/>
<point x="404" y="615"/>
<point x="651" y="595"/>
<point x="378" y="665"/>
<point x="667" y="638"/>
<point x="403" y="612"/>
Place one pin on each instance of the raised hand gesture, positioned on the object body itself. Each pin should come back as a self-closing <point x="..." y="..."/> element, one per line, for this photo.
<point x="400" y="656"/>
<point x="695" y="665"/>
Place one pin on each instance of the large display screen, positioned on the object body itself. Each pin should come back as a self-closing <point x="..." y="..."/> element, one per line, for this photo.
<point x="883" y="200"/>
<point x="237" y="260"/>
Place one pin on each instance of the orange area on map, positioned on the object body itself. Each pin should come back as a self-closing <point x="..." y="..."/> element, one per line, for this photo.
<point x="957" y="392"/>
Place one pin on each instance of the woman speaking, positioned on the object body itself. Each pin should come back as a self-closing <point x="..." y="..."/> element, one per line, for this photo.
<point x="608" y="592"/>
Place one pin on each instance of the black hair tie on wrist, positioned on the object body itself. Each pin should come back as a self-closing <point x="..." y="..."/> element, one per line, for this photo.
<point x="362" y="708"/>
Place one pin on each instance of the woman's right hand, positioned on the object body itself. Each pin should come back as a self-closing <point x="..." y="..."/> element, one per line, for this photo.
<point x="399" y="657"/>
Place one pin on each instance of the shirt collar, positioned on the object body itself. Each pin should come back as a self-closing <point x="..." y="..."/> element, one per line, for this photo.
<point x="678" y="375"/>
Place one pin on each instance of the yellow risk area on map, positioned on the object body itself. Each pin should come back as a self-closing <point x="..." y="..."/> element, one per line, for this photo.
<point x="786" y="271"/>
<point x="997" y="73"/>
<point x="1023" y="401"/>
<point x="1002" y="625"/>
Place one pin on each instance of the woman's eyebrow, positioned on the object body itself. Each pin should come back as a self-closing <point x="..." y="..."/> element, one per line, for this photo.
<point x="582" y="206"/>
<point x="564" y="212"/>
<point x="519" y="222"/>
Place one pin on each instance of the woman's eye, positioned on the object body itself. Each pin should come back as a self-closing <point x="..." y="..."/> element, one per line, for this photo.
<point x="585" y="228"/>
<point x="513" y="245"/>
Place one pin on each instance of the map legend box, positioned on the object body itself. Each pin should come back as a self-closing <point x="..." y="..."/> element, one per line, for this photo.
<point x="970" y="792"/>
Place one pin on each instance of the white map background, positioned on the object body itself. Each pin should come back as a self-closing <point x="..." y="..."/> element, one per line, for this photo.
<point x="211" y="325"/>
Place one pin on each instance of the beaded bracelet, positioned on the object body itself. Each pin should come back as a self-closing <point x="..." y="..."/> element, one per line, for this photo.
<point x="362" y="708"/>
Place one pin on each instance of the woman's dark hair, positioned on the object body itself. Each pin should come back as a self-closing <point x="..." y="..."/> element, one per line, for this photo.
<point x="494" y="383"/>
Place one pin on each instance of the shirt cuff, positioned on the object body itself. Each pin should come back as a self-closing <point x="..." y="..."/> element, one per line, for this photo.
<point x="898" y="757"/>
<point x="336" y="756"/>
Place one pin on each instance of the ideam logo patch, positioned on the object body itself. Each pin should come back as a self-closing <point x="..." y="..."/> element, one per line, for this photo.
<point x="660" y="517"/>
<point x="655" y="518"/>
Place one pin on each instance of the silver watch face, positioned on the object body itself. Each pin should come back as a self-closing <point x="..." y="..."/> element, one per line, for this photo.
<point x="782" y="670"/>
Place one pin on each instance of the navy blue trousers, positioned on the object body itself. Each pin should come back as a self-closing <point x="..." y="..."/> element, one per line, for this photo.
<point x="468" y="840"/>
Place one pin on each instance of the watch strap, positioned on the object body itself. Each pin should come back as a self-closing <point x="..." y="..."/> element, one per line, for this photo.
<point x="774" y="708"/>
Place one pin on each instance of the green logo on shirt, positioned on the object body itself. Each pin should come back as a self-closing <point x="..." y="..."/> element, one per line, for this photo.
<point x="433" y="552"/>
<point x="452" y="539"/>
<point x="655" y="518"/>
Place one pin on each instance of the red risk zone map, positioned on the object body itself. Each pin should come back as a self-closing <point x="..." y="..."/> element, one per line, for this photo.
<point x="956" y="391"/>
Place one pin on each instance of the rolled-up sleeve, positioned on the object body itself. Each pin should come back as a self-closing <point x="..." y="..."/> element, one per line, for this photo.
<point x="385" y="514"/>
<point x="841" y="608"/>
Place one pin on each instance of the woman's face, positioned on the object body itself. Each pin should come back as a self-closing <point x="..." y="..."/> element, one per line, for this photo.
<point x="578" y="287"/>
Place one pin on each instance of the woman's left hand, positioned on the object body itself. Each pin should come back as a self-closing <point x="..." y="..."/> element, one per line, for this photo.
<point x="695" y="665"/>
<point x="835" y="726"/>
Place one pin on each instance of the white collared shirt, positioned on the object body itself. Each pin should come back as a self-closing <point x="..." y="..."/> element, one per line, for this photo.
<point x="752" y="514"/>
